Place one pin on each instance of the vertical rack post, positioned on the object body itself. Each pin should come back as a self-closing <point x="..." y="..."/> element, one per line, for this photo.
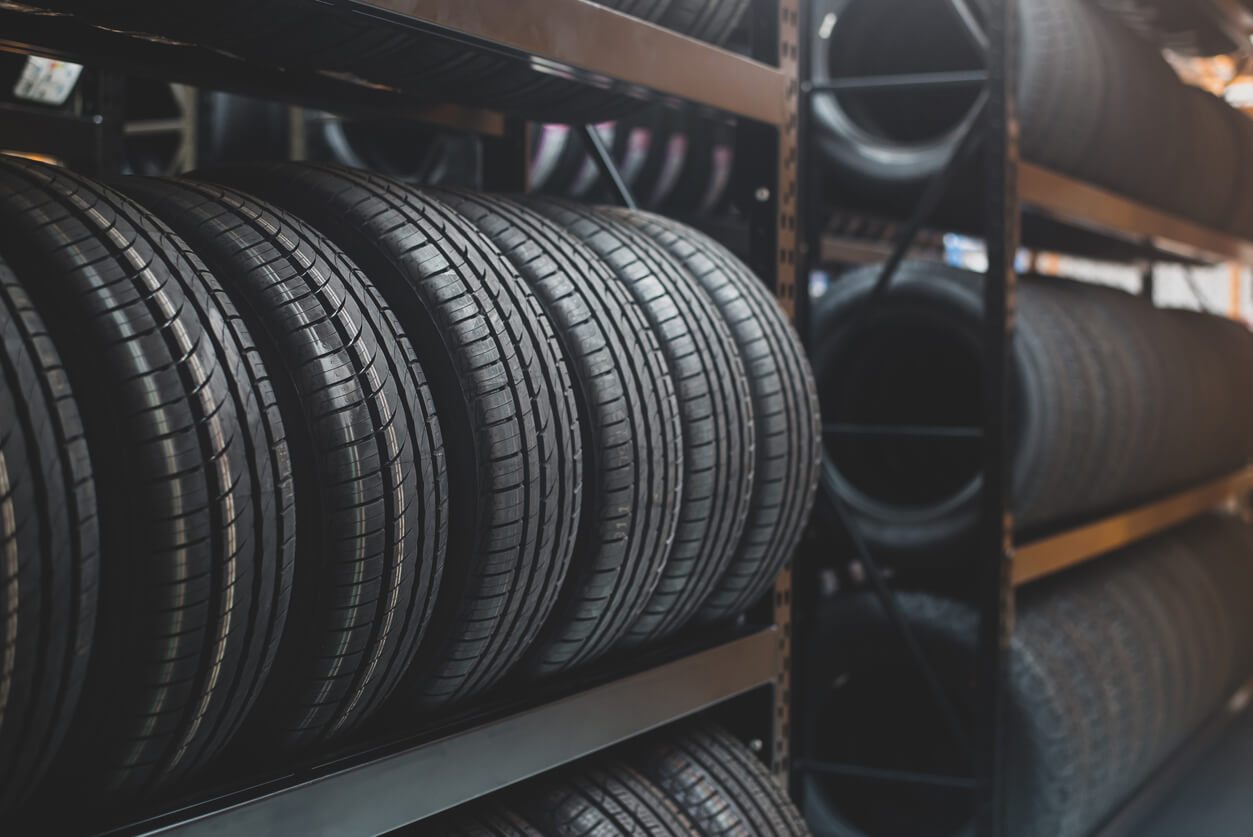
<point x="106" y="102"/>
<point x="507" y="159"/>
<point x="787" y="285"/>
<point x="994" y="555"/>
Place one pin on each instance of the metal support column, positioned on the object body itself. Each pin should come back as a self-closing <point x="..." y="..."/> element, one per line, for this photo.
<point x="994" y="565"/>
<point x="106" y="101"/>
<point x="507" y="159"/>
<point x="788" y="286"/>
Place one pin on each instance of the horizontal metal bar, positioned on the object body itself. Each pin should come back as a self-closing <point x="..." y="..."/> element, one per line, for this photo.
<point x="885" y="775"/>
<point x="1050" y="555"/>
<point x="148" y="127"/>
<point x="897" y="81"/>
<point x="903" y="430"/>
<point x="400" y="789"/>
<point x="56" y="133"/>
<point x="598" y="40"/>
<point x="1129" y="818"/>
<point x="1076" y="202"/>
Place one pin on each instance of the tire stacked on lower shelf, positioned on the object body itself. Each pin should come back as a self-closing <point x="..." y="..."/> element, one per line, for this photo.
<point x="299" y="447"/>
<point x="1114" y="403"/>
<point x="692" y="778"/>
<point x="1113" y="666"/>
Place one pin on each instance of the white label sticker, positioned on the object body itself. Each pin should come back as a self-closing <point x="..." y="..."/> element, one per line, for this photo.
<point x="46" y="80"/>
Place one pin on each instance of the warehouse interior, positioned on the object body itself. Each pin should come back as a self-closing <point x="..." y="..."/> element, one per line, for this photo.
<point x="555" y="418"/>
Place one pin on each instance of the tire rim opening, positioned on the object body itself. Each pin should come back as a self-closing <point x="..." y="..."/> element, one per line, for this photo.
<point x="894" y="37"/>
<point x="889" y="384"/>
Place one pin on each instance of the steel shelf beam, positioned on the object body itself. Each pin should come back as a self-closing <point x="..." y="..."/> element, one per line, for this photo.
<point x="1074" y="201"/>
<point x="574" y="39"/>
<point x="584" y="36"/>
<point x="1044" y="557"/>
<point x="396" y="790"/>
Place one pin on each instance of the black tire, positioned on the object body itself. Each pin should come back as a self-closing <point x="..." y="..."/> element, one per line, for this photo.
<point x="49" y="547"/>
<point x="1113" y="665"/>
<point x="706" y="20"/>
<point x="600" y="796"/>
<point x="632" y="440"/>
<point x="715" y="409"/>
<point x="367" y="455"/>
<point x="196" y="524"/>
<point x="481" y="818"/>
<point x="716" y="781"/>
<point x="786" y="420"/>
<point x="1084" y="361"/>
<point x="505" y="403"/>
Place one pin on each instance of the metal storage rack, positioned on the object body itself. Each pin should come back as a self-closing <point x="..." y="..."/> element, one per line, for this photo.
<point x="369" y="791"/>
<point x="1014" y="188"/>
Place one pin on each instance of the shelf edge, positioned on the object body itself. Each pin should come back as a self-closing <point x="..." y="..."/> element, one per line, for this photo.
<point x="401" y="789"/>
<point x="601" y="41"/>
<point x="1067" y="199"/>
<point x="1053" y="554"/>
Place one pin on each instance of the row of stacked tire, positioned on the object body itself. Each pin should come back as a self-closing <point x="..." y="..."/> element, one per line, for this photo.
<point x="292" y="36"/>
<point x="1114" y="402"/>
<point x="1113" y="666"/>
<point x="1089" y="92"/>
<point x="693" y="778"/>
<point x="297" y="447"/>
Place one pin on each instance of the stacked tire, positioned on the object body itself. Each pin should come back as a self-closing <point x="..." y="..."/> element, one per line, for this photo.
<point x="1085" y="360"/>
<point x="296" y="444"/>
<point x="1112" y="667"/>
<point x="1089" y="91"/>
<point x="694" y="778"/>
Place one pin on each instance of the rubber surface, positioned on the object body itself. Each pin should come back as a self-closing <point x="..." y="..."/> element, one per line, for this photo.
<point x="716" y="781"/>
<point x="505" y="402"/>
<point x="715" y="410"/>
<point x="195" y="505"/>
<point x="786" y="419"/>
<point x="632" y="442"/>
<point x="1085" y="361"/>
<point x="367" y="454"/>
<point x="49" y="546"/>
<point x="601" y="796"/>
<point x="1113" y="665"/>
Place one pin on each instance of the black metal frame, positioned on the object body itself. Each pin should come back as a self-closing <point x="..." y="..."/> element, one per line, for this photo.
<point x="618" y="699"/>
<point x="990" y="129"/>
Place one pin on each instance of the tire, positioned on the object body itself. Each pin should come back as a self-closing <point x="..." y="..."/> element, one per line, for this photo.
<point x="786" y="421"/>
<point x="601" y="796"/>
<point x="196" y="524"/>
<point x="706" y="20"/>
<point x="715" y="409"/>
<point x="1084" y="361"/>
<point x="503" y="394"/>
<point x="717" y="782"/>
<point x="49" y="547"/>
<point x="886" y="146"/>
<point x="481" y="818"/>
<point x="632" y="440"/>
<point x="367" y="455"/>
<point x="1113" y="665"/>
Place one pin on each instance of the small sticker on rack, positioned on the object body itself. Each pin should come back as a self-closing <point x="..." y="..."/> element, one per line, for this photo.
<point x="46" y="80"/>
